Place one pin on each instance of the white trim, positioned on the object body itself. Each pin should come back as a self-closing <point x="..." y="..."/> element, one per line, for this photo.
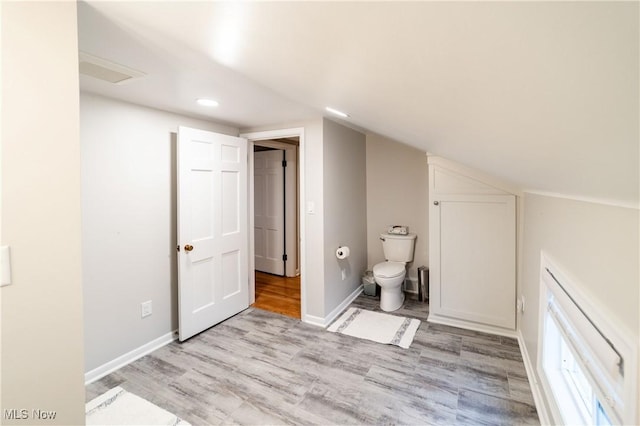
<point x="274" y="144"/>
<point x="620" y="337"/>
<point x="536" y="389"/>
<point x="273" y="134"/>
<point x="438" y="319"/>
<point x="593" y="200"/>
<point x="129" y="357"/>
<point x="473" y="174"/>
<point x="344" y="305"/>
<point x="324" y="322"/>
<point x="251" y="217"/>
<point x="279" y="134"/>
<point x="506" y="186"/>
<point x="314" y="320"/>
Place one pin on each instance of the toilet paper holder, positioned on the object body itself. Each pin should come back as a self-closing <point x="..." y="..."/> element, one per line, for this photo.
<point x="342" y="252"/>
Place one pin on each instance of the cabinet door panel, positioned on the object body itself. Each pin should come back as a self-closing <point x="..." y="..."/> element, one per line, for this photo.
<point x="474" y="271"/>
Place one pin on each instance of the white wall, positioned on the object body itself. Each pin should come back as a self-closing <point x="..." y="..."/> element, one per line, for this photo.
<point x="595" y="245"/>
<point x="128" y="223"/>
<point x="345" y="211"/>
<point x="42" y="355"/>
<point x="397" y="194"/>
<point x="313" y="273"/>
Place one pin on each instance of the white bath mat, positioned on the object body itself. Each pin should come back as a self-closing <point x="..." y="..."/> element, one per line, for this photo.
<point x="376" y="326"/>
<point x="119" y="407"/>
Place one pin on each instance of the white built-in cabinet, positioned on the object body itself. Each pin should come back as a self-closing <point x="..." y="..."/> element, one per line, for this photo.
<point x="472" y="249"/>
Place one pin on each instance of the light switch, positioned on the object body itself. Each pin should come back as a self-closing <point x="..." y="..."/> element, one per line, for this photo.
<point x="5" y="266"/>
<point x="311" y="207"/>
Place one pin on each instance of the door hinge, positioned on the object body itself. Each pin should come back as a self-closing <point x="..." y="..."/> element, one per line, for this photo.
<point x="284" y="163"/>
<point x="284" y="257"/>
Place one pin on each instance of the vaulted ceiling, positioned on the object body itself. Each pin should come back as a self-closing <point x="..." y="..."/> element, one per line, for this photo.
<point x="542" y="94"/>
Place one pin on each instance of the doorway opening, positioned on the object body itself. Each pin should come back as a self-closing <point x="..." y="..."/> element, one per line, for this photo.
<point x="276" y="226"/>
<point x="278" y="294"/>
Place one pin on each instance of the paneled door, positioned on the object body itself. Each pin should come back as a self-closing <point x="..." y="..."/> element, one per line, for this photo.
<point x="269" y="211"/>
<point x="212" y="229"/>
<point x="472" y="259"/>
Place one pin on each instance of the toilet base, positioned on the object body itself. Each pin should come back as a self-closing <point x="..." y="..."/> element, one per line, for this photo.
<point x="391" y="300"/>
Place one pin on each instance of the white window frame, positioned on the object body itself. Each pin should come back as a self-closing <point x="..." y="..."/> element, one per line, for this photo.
<point x="567" y="314"/>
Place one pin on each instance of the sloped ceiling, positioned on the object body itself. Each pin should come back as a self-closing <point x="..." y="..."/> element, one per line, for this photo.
<point x="543" y="95"/>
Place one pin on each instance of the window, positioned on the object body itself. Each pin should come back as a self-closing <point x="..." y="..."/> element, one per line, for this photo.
<point x="585" y="367"/>
<point x="570" y="385"/>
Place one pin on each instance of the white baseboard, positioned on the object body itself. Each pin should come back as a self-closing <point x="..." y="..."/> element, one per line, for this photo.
<point x="410" y="285"/>
<point x="314" y="320"/>
<point x="129" y="357"/>
<point x="344" y="305"/>
<point x="471" y="325"/>
<point x="536" y="389"/>
<point x="324" y="322"/>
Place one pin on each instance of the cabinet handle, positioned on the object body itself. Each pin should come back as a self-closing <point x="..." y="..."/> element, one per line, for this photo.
<point x="435" y="203"/>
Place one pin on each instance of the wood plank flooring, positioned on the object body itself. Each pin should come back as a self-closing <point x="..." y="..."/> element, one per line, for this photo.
<point x="260" y="367"/>
<point x="278" y="294"/>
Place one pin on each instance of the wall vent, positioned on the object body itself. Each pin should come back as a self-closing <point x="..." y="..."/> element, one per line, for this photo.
<point x="106" y="70"/>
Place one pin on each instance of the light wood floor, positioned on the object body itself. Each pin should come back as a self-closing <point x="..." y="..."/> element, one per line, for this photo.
<point x="260" y="367"/>
<point x="278" y="294"/>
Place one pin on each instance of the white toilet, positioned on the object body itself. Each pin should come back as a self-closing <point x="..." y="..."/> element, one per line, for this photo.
<point x="398" y="250"/>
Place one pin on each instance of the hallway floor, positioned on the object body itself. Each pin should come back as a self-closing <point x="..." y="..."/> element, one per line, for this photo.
<point x="278" y="294"/>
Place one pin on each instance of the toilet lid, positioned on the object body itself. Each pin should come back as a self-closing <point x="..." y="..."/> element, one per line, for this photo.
<point x="388" y="269"/>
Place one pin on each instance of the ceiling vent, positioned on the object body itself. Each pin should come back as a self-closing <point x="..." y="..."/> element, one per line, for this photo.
<point x="105" y="70"/>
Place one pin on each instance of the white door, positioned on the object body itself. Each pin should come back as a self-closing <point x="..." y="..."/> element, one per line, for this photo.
<point x="269" y="211"/>
<point x="473" y="262"/>
<point x="212" y="229"/>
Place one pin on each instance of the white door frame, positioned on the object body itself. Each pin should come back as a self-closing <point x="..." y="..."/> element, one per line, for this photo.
<point x="266" y="135"/>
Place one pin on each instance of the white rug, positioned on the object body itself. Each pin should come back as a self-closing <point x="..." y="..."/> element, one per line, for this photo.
<point x="376" y="326"/>
<point x="119" y="407"/>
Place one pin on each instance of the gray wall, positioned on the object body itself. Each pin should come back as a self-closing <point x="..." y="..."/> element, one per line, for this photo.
<point x="128" y="223"/>
<point x="345" y="211"/>
<point x="397" y="194"/>
<point x="311" y="159"/>
<point x="594" y="244"/>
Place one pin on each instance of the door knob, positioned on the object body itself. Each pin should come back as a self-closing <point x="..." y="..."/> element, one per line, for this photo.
<point x="188" y="247"/>
<point x="435" y="203"/>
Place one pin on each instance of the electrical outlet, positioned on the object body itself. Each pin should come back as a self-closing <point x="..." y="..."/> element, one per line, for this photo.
<point x="146" y="308"/>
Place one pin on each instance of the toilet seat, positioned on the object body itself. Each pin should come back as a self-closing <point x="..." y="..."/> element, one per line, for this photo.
<point x="389" y="269"/>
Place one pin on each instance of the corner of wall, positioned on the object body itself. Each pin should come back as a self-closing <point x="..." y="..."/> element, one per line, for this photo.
<point x="536" y="389"/>
<point x="397" y="194"/>
<point x="42" y="334"/>
<point x="344" y="211"/>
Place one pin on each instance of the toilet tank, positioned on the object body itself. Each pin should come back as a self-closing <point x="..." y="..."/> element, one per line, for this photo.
<point x="398" y="248"/>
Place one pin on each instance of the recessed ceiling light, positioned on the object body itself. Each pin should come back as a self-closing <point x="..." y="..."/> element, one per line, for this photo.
<point x="207" y="102"/>
<point x="336" y="112"/>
